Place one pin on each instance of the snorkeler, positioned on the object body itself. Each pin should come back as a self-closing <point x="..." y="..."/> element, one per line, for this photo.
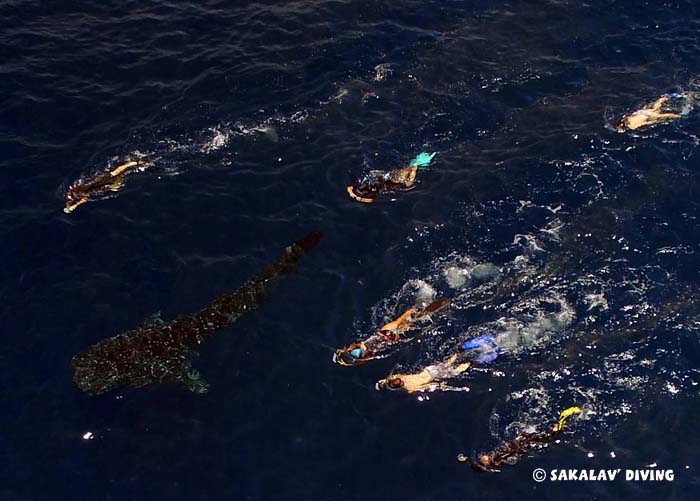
<point x="378" y="344"/>
<point x="160" y="352"/>
<point x="377" y="182"/>
<point x="432" y="378"/>
<point x="667" y="108"/>
<point x="510" y="452"/>
<point x="481" y="350"/>
<point x="87" y="190"/>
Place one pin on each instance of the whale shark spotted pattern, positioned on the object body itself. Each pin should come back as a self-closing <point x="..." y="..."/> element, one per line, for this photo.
<point x="161" y="352"/>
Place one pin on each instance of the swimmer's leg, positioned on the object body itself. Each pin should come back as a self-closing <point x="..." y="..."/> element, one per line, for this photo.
<point x="117" y="185"/>
<point x="668" y="116"/>
<point x="435" y="306"/>
<point x="447" y="387"/>
<point x="457" y="368"/>
<point x="461" y="368"/>
<point x="395" y="325"/>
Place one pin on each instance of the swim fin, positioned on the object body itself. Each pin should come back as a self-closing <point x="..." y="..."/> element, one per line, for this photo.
<point x="486" y="346"/>
<point x="422" y="160"/>
<point x="566" y="414"/>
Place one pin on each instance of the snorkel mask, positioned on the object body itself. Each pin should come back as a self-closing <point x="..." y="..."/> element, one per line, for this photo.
<point x="358" y="354"/>
<point x="352" y="356"/>
<point x="391" y="383"/>
<point x="622" y="126"/>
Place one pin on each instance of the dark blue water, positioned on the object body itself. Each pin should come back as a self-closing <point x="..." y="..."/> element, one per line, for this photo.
<point x="516" y="97"/>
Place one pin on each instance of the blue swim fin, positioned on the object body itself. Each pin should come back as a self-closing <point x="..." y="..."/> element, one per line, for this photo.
<point x="485" y="340"/>
<point x="487" y="357"/>
<point x="486" y="346"/>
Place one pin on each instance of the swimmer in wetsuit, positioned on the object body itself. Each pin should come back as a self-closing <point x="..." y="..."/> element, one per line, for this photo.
<point x="377" y="182"/>
<point x="482" y="349"/>
<point x="86" y="190"/>
<point x="378" y="344"/>
<point x="667" y="108"/>
<point x="510" y="452"/>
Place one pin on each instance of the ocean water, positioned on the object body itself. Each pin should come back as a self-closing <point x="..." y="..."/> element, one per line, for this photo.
<point x="577" y="245"/>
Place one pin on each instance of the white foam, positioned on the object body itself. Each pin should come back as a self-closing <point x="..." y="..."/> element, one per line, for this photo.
<point x="219" y="139"/>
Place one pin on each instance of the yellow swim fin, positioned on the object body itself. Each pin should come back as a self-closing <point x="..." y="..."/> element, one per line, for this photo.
<point x="566" y="414"/>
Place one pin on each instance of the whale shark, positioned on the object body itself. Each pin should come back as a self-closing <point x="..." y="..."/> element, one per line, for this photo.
<point x="159" y="352"/>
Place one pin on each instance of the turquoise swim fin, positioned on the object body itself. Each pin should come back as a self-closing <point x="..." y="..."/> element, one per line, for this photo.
<point x="422" y="160"/>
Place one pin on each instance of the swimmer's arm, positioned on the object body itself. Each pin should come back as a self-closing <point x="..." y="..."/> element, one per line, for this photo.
<point x="656" y="105"/>
<point x="123" y="168"/>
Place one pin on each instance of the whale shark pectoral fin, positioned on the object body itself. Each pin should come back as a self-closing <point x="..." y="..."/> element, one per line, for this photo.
<point x="190" y="377"/>
<point x="194" y="381"/>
